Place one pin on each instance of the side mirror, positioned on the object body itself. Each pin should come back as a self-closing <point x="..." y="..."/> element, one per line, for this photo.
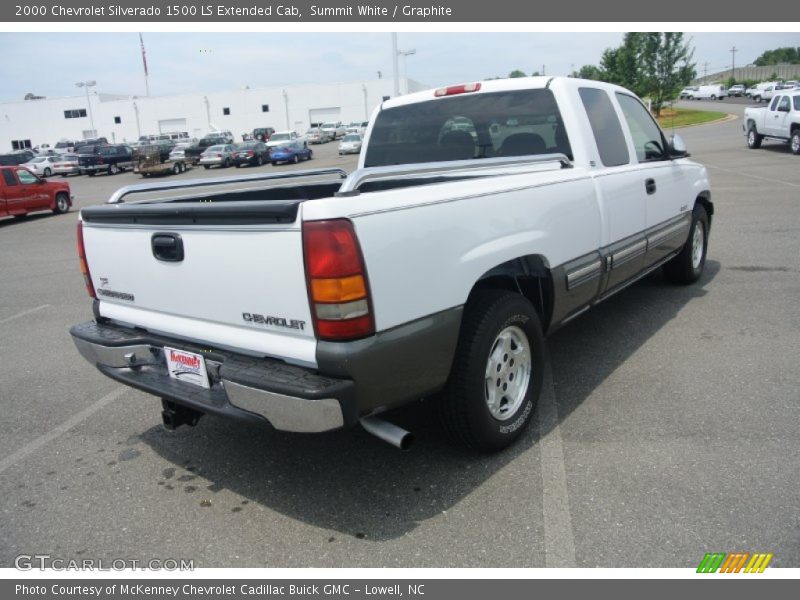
<point x="678" y="146"/>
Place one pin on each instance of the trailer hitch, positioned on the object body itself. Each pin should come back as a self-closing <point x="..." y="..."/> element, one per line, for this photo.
<point x="174" y="415"/>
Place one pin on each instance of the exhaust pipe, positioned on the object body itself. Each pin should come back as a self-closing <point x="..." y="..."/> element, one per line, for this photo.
<point x="388" y="432"/>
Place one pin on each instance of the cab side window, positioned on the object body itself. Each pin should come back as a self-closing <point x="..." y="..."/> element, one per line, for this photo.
<point x="8" y="176"/>
<point x="26" y="177"/>
<point x="774" y="105"/>
<point x="784" y="103"/>
<point x="606" y="127"/>
<point x="647" y="138"/>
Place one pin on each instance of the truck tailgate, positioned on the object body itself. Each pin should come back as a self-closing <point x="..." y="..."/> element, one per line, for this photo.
<point x="239" y="284"/>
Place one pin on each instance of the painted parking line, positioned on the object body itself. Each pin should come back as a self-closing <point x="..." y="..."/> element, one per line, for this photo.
<point x="559" y="539"/>
<point x="23" y="313"/>
<point x="76" y="419"/>
<point x="751" y="176"/>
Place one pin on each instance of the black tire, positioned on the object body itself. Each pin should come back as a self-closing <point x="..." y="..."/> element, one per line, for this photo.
<point x="47" y="172"/>
<point x="754" y="139"/>
<point x="757" y="99"/>
<point x="207" y="166"/>
<point x="91" y="173"/>
<point x="794" y="141"/>
<point x="274" y="163"/>
<point x="259" y="160"/>
<point x="227" y="163"/>
<point x="113" y="169"/>
<point x="62" y="204"/>
<point x="713" y="97"/>
<point x="463" y="405"/>
<point x="295" y="159"/>
<point x="685" y="268"/>
<point x="176" y="169"/>
<point x="310" y="154"/>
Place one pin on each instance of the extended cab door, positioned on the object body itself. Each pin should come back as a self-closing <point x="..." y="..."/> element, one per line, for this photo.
<point x="620" y="186"/>
<point x="667" y="184"/>
<point x="777" y="120"/>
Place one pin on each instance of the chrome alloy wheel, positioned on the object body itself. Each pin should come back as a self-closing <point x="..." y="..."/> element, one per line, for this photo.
<point x="508" y="373"/>
<point x="698" y="243"/>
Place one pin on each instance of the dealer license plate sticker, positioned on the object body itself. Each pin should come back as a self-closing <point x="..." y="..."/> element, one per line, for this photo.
<point x="187" y="366"/>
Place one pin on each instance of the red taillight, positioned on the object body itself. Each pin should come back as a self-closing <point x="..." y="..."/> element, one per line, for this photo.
<point x="219" y="155"/>
<point x="457" y="89"/>
<point x="338" y="291"/>
<point x="250" y="153"/>
<point x="87" y="277"/>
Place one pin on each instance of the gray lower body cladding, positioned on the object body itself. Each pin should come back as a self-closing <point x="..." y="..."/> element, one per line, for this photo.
<point x="353" y="379"/>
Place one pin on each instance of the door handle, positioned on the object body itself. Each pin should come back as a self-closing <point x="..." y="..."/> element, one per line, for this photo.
<point x="650" y="186"/>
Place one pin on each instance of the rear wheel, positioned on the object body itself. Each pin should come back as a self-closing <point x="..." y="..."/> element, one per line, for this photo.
<point x="757" y="99"/>
<point x="753" y="138"/>
<point x="47" y="172"/>
<point x="113" y="169"/>
<point x="295" y="159"/>
<point x="62" y="204"/>
<point x="713" y="97"/>
<point x="176" y="168"/>
<point x="687" y="266"/>
<point x="496" y="377"/>
<point x="207" y="166"/>
<point x="260" y="160"/>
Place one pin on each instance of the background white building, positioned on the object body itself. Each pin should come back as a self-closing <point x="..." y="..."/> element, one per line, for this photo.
<point x="124" y="118"/>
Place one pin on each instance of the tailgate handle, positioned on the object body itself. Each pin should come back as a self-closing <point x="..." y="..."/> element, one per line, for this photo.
<point x="167" y="247"/>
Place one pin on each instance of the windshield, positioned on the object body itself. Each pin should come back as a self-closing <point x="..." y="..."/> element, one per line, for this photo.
<point x="515" y="123"/>
<point x="351" y="138"/>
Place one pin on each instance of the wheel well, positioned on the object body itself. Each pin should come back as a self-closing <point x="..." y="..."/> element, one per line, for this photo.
<point x="751" y="124"/>
<point x="527" y="275"/>
<point x="704" y="198"/>
<point x="794" y="127"/>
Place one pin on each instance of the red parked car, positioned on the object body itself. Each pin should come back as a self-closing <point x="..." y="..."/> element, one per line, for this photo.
<point x="22" y="192"/>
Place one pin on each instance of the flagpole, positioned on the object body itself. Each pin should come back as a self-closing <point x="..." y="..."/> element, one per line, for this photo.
<point x="144" y="63"/>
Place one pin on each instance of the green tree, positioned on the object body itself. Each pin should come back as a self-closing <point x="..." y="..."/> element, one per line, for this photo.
<point x="623" y="65"/>
<point x="589" y="72"/>
<point x="665" y="67"/>
<point x="517" y="73"/>
<point x="785" y="55"/>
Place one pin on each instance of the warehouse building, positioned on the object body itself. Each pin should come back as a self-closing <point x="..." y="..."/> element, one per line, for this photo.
<point x="121" y="118"/>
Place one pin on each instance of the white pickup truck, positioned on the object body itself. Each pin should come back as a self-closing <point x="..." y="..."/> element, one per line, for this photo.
<point x="778" y="121"/>
<point x="481" y="217"/>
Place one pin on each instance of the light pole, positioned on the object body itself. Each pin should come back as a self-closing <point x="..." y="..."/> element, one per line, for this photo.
<point x="366" y="108"/>
<point x="86" y="85"/>
<point x="286" y="106"/>
<point x="405" y="54"/>
<point x="395" y="68"/>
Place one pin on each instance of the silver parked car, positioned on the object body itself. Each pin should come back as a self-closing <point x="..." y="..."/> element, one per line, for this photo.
<point x="44" y="166"/>
<point x="350" y="144"/>
<point x="315" y="135"/>
<point x="218" y="156"/>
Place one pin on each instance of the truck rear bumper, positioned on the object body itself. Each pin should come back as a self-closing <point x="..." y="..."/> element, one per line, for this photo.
<point x="290" y="398"/>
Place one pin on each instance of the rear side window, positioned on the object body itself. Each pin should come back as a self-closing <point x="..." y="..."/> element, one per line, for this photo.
<point x="647" y="137"/>
<point x="8" y="176"/>
<point x="606" y="127"/>
<point x="465" y="126"/>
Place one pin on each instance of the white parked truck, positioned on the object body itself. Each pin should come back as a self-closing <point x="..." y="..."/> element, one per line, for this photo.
<point x="778" y="121"/>
<point x="481" y="218"/>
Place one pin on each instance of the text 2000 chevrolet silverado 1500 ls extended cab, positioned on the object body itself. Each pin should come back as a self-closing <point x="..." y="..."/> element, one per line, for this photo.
<point x="481" y="217"/>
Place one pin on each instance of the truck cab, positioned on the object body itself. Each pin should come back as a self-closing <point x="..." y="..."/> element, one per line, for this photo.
<point x="22" y="192"/>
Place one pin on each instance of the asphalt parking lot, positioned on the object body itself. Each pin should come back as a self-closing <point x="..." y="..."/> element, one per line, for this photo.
<point x="668" y="425"/>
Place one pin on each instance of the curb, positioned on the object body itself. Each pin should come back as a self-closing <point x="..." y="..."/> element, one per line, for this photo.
<point x="728" y="117"/>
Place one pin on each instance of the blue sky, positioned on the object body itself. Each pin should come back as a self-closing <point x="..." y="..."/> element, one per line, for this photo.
<point x="49" y="64"/>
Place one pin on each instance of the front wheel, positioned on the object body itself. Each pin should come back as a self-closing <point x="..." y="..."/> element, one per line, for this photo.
<point x="687" y="266"/>
<point x="176" y="169"/>
<point x="62" y="204"/>
<point x="295" y="159"/>
<point x="794" y="142"/>
<point x="713" y="97"/>
<point x="496" y="378"/>
<point x="754" y="139"/>
<point x="757" y="99"/>
<point x="113" y="169"/>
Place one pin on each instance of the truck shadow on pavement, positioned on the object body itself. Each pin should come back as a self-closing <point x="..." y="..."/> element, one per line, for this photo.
<point x="354" y="484"/>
